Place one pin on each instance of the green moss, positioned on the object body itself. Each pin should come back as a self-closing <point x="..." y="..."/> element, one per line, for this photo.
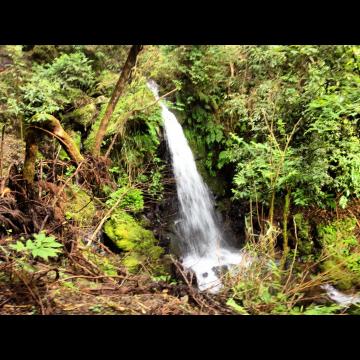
<point x="342" y="248"/>
<point x="76" y="136"/>
<point x="139" y="243"/>
<point x="79" y="206"/>
<point x="90" y="140"/>
<point x="132" y="263"/>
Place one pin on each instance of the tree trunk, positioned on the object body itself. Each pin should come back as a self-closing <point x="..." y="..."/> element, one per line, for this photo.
<point x="48" y="124"/>
<point x="125" y="76"/>
<point x="285" y="229"/>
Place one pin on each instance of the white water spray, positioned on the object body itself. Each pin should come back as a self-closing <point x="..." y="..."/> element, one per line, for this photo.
<point x="203" y="244"/>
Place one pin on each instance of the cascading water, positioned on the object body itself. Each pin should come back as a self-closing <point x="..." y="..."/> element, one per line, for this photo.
<point x="203" y="245"/>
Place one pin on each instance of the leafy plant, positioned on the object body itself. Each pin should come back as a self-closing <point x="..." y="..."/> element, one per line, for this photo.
<point x="42" y="246"/>
<point x="54" y="86"/>
<point x="132" y="199"/>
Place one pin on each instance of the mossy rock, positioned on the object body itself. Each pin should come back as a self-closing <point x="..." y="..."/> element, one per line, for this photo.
<point x="342" y="247"/>
<point x="139" y="244"/>
<point x="44" y="53"/>
<point x="79" y="206"/>
<point x="83" y="116"/>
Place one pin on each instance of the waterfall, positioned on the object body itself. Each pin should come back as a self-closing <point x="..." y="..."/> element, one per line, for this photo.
<point x="202" y="242"/>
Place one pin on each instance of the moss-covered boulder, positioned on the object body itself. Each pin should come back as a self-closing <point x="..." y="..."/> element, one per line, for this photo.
<point x="342" y="249"/>
<point x="138" y="243"/>
<point x="83" y="116"/>
<point x="79" y="206"/>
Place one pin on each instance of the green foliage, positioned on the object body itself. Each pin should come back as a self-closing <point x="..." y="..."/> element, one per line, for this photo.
<point x="165" y="278"/>
<point x="106" y="82"/>
<point x="132" y="199"/>
<point x="260" y="94"/>
<point x="314" y="309"/>
<point x="264" y="122"/>
<point x="72" y="71"/>
<point x="105" y="264"/>
<point x="139" y="131"/>
<point x="97" y="309"/>
<point x="261" y="169"/>
<point x="15" y="74"/>
<point x="42" y="246"/>
<point x="260" y="290"/>
<point x="236" y="307"/>
<point x="341" y="246"/>
<point x="54" y="86"/>
<point x="109" y="57"/>
<point x="263" y="288"/>
<point x="303" y="231"/>
<point x="156" y="186"/>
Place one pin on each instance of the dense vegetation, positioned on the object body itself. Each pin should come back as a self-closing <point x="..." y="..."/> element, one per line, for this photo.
<point x="275" y="131"/>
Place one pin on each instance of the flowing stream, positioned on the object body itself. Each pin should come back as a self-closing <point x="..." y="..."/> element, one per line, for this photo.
<point x="340" y="297"/>
<point x="203" y="246"/>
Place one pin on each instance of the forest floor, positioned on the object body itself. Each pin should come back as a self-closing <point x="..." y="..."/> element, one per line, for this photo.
<point x="102" y="295"/>
<point x="13" y="150"/>
<point x="88" y="297"/>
